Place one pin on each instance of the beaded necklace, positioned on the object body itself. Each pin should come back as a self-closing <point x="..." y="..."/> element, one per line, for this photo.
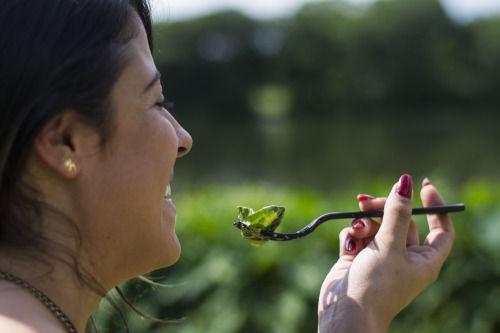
<point x="44" y="299"/>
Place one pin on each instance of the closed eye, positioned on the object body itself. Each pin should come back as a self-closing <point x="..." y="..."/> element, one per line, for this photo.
<point x="165" y="105"/>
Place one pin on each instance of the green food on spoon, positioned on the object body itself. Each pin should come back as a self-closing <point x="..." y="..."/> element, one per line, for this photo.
<point x="258" y="227"/>
<point x="252" y="223"/>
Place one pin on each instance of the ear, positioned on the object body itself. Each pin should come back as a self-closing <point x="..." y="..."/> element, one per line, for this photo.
<point x="63" y="142"/>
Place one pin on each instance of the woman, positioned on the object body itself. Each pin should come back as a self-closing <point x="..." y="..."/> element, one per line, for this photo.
<point x="87" y="154"/>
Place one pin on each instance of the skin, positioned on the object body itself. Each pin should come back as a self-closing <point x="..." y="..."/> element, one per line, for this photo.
<point x="115" y="196"/>
<point x="368" y="286"/>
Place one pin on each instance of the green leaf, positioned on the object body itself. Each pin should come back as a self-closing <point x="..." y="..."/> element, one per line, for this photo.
<point x="252" y="223"/>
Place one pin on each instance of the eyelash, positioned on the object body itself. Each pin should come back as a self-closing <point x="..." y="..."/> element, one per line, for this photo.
<point x="167" y="105"/>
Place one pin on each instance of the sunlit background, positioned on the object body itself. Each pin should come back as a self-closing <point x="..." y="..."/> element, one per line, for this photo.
<point x="306" y="104"/>
<point x="462" y="10"/>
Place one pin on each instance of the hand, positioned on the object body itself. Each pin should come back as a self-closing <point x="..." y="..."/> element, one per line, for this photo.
<point x="382" y="267"/>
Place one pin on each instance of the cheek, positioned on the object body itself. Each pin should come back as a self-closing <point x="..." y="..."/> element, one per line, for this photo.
<point x="152" y="170"/>
<point x="150" y="148"/>
<point x="136" y="170"/>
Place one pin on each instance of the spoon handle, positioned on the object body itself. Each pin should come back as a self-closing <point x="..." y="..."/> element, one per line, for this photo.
<point x="380" y="213"/>
<point x="356" y="215"/>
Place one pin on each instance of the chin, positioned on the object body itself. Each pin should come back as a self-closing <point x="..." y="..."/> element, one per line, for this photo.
<point x="175" y="251"/>
<point x="171" y="253"/>
<point x="171" y="245"/>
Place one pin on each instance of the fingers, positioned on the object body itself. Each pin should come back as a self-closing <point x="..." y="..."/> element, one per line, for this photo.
<point x="412" y="239"/>
<point x="441" y="231"/>
<point x="348" y="245"/>
<point x="367" y="228"/>
<point x="355" y="238"/>
<point x="363" y="228"/>
<point x="367" y="202"/>
<point x="393" y="231"/>
<point x="430" y="197"/>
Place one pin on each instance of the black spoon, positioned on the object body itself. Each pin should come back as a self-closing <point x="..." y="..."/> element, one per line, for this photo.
<point x="268" y="235"/>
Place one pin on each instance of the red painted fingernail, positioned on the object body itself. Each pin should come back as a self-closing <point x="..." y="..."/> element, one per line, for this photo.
<point x="405" y="186"/>
<point x="350" y="245"/>
<point x="364" y="197"/>
<point x="358" y="224"/>
<point x="426" y="182"/>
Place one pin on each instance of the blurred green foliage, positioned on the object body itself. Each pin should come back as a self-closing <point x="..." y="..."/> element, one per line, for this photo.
<point x="223" y="285"/>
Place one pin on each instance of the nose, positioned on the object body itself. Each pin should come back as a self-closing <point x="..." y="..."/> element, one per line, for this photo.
<point x="185" y="141"/>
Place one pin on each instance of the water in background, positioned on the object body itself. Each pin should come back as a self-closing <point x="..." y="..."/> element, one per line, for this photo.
<point x="325" y="153"/>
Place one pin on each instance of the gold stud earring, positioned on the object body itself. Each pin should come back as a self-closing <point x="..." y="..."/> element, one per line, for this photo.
<point x="70" y="165"/>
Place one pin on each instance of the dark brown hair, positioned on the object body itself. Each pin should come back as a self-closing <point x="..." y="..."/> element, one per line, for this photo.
<point x="54" y="55"/>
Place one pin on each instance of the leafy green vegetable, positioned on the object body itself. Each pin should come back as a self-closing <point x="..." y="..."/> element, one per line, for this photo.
<point x="252" y="223"/>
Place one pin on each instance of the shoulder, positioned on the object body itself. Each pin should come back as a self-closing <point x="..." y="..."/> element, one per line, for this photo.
<point x="8" y="324"/>
<point x="20" y="313"/>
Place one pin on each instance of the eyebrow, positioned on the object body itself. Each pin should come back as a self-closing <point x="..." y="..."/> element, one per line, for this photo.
<point x="151" y="84"/>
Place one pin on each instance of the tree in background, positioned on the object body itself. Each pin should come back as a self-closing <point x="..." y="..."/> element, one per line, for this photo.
<point x="330" y="54"/>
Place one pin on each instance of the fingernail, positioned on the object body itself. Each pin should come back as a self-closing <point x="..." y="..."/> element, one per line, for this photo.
<point x="364" y="197"/>
<point x="350" y="245"/>
<point x="405" y="186"/>
<point x="358" y="224"/>
<point x="426" y="182"/>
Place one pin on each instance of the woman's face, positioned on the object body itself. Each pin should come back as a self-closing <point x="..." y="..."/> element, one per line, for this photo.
<point x="133" y="224"/>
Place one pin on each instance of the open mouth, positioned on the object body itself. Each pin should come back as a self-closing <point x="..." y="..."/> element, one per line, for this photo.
<point x="168" y="192"/>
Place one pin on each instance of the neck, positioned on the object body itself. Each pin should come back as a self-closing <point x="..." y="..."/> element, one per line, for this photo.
<point x="59" y="282"/>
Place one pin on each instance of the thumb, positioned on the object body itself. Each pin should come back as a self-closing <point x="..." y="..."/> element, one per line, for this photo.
<point x="397" y="215"/>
